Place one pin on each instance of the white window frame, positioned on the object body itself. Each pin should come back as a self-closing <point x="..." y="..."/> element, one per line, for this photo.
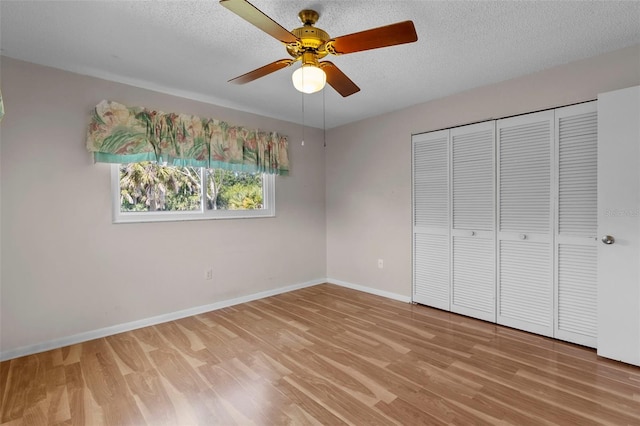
<point x="269" y="201"/>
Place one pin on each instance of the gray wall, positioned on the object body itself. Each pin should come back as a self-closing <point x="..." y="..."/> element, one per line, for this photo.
<point x="369" y="162"/>
<point x="66" y="269"/>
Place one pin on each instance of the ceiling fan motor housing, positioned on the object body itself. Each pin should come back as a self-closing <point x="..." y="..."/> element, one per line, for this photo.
<point x="311" y="39"/>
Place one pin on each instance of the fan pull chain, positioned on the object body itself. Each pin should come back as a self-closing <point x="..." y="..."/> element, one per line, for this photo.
<point x="302" y="94"/>
<point x="324" y="120"/>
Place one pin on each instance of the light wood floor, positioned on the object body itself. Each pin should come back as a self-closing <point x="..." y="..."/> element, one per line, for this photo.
<point x="321" y="355"/>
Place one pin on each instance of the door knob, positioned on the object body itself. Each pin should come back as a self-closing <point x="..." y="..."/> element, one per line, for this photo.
<point x="608" y="239"/>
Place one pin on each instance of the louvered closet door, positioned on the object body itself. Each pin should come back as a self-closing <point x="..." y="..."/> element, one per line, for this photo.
<point x="525" y="203"/>
<point x="577" y="223"/>
<point x="473" y="221"/>
<point x="431" y="219"/>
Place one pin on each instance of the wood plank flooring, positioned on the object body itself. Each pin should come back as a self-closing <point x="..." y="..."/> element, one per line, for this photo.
<point x="320" y="355"/>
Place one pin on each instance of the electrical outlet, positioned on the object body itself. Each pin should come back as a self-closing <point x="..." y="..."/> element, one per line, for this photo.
<point x="380" y="263"/>
<point x="208" y="274"/>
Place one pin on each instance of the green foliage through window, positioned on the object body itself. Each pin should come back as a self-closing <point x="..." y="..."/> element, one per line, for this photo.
<point x="148" y="186"/>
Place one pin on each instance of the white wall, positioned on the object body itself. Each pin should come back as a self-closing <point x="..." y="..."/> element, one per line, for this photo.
<point x="368" y="163"/>
<point x="66" y="269"/>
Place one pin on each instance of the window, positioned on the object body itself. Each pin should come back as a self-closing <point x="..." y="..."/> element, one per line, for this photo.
<point x="151" y="192"/>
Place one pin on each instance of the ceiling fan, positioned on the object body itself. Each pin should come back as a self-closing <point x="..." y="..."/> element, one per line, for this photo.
<point x="309" y="44"/>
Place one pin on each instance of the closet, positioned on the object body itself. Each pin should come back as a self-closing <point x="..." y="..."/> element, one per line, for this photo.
<point x="504" y="221"/>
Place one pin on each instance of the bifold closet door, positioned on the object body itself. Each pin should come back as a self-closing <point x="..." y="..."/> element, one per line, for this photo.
<point x="473" y="220"/>
<point x="431" y="261"/>
<point x="576" y="289"/>
<point x="525" y="222"/>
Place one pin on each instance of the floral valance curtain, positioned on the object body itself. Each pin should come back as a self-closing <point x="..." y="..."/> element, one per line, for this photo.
<point x="122" y="134"/>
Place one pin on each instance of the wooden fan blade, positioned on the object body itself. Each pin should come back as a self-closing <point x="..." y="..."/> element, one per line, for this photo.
<point x="262" y="71"/>
<point x="390" y="35"/>
<point x="338" y="80"/>
<point x="252" y="14"/>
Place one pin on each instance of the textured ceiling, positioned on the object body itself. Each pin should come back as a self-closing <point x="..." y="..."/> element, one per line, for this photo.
<point x="191" y="48"/>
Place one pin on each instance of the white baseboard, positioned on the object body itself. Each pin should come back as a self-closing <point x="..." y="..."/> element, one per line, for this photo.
<point x="120" y="328"/>
<point x="365" y="289"/>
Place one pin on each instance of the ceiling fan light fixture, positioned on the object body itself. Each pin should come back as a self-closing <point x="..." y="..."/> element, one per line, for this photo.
<point x="309" y="79"/>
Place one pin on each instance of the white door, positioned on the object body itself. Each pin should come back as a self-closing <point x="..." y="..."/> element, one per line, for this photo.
<point x="619" y="218"/>
<point x="431" y="262"/>
<point x="473" y="280"/>
<point x="525" y="222"/>
<point x="576" y="224"/>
